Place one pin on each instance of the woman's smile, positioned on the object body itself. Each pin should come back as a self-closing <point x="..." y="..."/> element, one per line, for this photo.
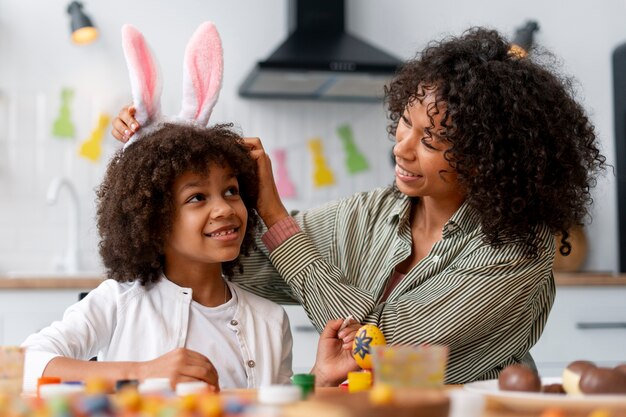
<point x="404" y="175"/>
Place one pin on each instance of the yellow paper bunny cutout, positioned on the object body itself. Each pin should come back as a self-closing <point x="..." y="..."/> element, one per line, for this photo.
<point x="322" y="174"/>
<point x="92" y="147"/>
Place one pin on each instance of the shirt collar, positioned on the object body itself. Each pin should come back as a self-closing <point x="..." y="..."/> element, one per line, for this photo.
<point x="172" y="286"/>
<point x="401" y="209"/>
<point x="466" y="218"/>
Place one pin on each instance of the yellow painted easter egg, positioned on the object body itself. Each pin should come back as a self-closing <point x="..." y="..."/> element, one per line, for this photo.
<point x="365" y="339"/>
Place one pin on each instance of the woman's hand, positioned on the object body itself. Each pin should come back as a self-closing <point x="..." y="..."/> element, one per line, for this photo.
<point x="334" y="354"/>
<point x="181" y="365"/>
<point x="269" y="206"/>
<point x="125" y="125"/>
<point x="348" y="333"/>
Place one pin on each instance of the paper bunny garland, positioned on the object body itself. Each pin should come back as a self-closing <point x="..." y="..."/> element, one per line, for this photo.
<point x="202" y="77"/>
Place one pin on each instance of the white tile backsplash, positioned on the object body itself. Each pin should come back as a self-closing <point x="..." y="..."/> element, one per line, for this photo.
<point x="34" y="234"/>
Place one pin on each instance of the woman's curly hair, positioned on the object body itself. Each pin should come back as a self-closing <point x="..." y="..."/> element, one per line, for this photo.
<point x="524" y="149"/>
<point x="135" y="200"/>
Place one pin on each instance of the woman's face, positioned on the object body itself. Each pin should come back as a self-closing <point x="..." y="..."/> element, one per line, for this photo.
<point x="421" y="168"/>
<point x="210" y="218"/>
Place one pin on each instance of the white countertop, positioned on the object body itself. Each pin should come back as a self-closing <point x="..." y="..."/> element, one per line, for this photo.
<point x="91" y="281"/>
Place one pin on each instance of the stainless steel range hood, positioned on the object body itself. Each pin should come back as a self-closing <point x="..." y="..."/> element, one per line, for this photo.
<point x="320" y="61"/>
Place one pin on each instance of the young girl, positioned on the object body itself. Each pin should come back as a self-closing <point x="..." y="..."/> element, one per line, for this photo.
<point x="175" y="210"/>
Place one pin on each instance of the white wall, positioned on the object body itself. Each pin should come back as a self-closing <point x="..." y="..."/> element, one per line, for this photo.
<point x="37" y="60"/>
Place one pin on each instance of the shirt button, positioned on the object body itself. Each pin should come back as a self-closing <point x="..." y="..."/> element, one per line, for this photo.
<point x="234" y="322"/>
<point x="435" y="258"/>
<point x="251" y="364"/>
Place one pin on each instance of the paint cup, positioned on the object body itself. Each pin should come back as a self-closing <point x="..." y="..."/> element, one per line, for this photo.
<point x="11" y="369"/>
<point x="359" y="381"/>
<point x="306" y="382"/>
<point x="421" y="366"/>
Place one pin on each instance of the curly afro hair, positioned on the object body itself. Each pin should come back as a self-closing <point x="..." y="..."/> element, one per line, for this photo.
<point x="135" y="201"/>
<point x="524" y="149"/>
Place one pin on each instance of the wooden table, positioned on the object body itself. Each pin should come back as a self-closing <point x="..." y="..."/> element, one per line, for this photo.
<point x="492" y="408"/>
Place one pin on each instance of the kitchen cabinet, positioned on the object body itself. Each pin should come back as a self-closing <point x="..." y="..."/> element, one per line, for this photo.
<point x="588" y="319"/>
<point x="586" y="322"/>
<point x="305" y="339"/>
<point x="29" y="304"/>
<point x="25" y="311"/>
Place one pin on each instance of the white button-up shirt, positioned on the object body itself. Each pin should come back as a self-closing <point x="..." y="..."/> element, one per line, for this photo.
<point x="131" y="322"/>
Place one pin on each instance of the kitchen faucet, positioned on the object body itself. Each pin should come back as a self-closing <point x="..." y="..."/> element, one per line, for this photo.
<point x="69" y="262"/>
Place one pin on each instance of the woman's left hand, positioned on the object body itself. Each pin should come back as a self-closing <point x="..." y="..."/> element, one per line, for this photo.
<point x="334" y="354"/>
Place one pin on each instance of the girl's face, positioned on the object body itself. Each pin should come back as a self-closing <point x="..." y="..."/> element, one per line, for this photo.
<point x="209" y="221"/>
<point x="421" y="168"/>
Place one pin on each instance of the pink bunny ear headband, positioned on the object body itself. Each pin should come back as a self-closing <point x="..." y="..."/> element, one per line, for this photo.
<point x="202" y="77"/>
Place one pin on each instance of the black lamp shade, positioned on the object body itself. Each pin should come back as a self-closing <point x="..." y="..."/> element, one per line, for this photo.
<point x="83" y="30"/>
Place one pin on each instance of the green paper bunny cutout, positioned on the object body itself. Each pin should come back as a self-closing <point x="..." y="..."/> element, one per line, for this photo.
<point x="355" y="160"/>
<point x="63" y="126"/>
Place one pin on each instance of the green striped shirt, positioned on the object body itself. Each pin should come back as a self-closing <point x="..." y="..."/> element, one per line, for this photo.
<point x="488" y="305"/>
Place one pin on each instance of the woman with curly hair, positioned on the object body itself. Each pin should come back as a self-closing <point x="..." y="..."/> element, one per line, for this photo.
<point x="494" y="158"/>
<point x="175" y="210"/>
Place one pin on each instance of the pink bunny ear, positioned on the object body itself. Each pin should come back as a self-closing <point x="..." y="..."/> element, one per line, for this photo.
<point x="145" y="77"/>
<point x="202" y="74"/>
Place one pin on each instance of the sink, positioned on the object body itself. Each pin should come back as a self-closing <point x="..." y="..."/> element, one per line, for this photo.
<point x="43" y="274"/>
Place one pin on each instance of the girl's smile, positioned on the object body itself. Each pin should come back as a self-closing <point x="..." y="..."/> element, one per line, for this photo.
<point x="224" y="233"/>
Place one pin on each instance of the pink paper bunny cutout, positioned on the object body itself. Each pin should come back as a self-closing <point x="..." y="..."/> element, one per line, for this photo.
<point x="283" y="182"/>
<point x="202" y="77"/>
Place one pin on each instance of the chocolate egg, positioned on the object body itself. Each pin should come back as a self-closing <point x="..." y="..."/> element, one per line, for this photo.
<point x="621" y="367"/>
<point x="553" y="389"/>
<point x="571" y="376"/>
<point x="365" y="339"/>
<point x="519" y="378"/>
<point x="603" y="381"/>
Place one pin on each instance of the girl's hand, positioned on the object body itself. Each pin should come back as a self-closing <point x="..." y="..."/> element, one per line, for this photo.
<point x="124" y="125"/>
<point x="269" y="206"/>
<point x="181" y="365"/>
<point x="333" y="361"/>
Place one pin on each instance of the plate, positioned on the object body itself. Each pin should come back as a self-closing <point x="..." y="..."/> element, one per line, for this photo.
<point x="535" y="401"/>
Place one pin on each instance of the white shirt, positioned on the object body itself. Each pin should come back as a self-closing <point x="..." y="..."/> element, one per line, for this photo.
<point x="209" y="333"/>
<point x="131" y="322"/>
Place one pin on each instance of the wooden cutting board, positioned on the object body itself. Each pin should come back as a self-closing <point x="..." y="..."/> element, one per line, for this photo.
<point x="406" y="403"/>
